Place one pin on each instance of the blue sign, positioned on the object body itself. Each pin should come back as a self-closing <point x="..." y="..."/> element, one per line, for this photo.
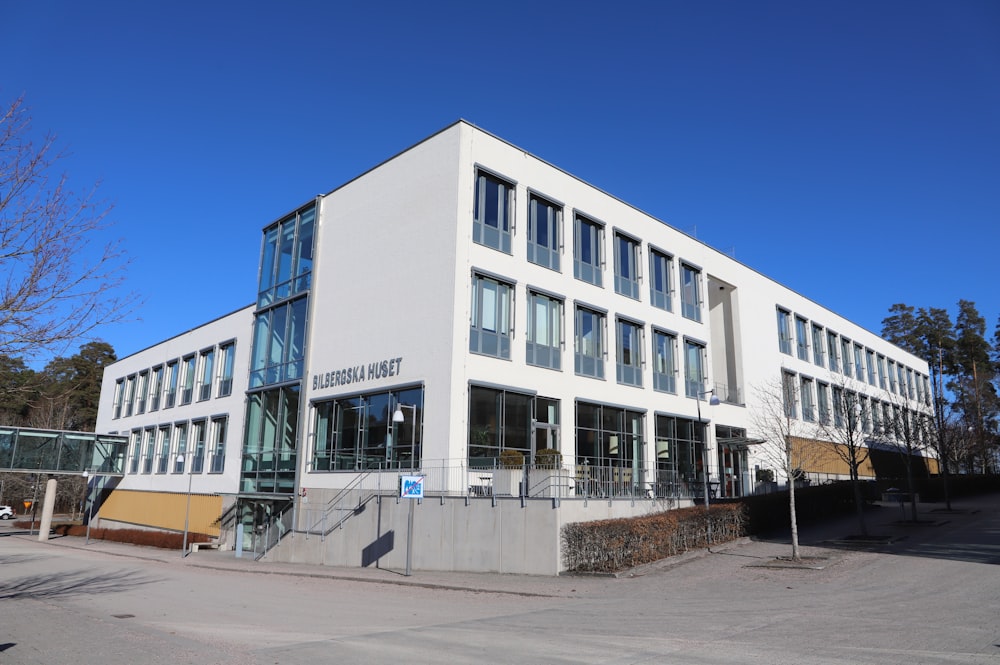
<point x="411" y="487"/>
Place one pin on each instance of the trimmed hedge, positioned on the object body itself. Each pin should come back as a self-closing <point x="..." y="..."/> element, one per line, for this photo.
<point x="608" y="546"/>
<point x="163" y="539"/>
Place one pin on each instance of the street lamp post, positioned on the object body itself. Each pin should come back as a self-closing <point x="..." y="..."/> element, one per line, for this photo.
<point x="90" y="508"/>
<point x="712" y="401"/>
<point x="187" y="510"/>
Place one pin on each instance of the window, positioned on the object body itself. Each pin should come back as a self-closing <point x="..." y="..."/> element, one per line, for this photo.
<point x="492" y="214"/>
<point x="358" y="432"/>
<point x="909" y="383"/>
<point x="544" y="345"/>
<point x="859" y="363"/>
<point x="149" y="451"/>
<point x="629" y="353"/>
<point x="197" y="446"/>
<point x="129" y="395"/>
<point x="587" y="256"/>
<point x="142" y="392"/>
<point x="823" y="403"/>
<point x="489" y="330"/>
<point x="135" y="451"/>
<point x="498" y="420"/>
<point x="609" y="443"/>
<point x="156" y="388"/>
<point x="679" y="453"/>
<point x="660" y="282"/>
<point x="694" y="368"/>
<point x="119" y="395"/>
<point x="163" y="449"/>
<point x="205" y="377"/>
<point x="181" y="453"/>
<point x="544" y="225"/>
<point x="690" y="293"/>
<point x="187" y="380"/>
<point x="818" y="346"/>
<point x="802" y="337"/>
<point x="845" y="356"/>
<point x="279" y="343"/>
<point x="664" y="362"/>
<point x="286" y="257"/>
<point x="838" y="407"/>
<point x="831" y="347"/>
<point x="589" y="343"/>
<point x="171" y="385"/>
<point x="626" y="266"/>
<point x="876" y="411"/>
<point x="271" y="442"/>
<point x="228" y="358"/>
<point x="881" y="371"/>
<point x="808" y="401"/>
<point x="870" y="364"/>
<point x="892" y="376"/>
<point x="902" y="379"/>
<point x="785" y="331"/>
<point x="218" y="459"/>
<point x="866" y="423"/>
<point x="788" y="394"/>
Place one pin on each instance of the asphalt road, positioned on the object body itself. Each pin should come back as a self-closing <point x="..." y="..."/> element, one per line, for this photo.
<point x="931" y="596"/>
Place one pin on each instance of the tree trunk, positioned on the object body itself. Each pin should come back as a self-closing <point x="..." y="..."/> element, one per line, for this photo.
<point x="792" y="517"/>
<point x="858" y="501"/>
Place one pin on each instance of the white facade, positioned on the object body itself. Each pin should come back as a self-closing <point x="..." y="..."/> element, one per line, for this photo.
<point x="408" y="271"/>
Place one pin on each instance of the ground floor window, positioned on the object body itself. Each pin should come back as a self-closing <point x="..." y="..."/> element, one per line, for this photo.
<point x="679" y="456"/>
<point x="371" y="431"/>
<point x="269" y="449"/>
<point x="609" y="449"/>
<point x="499" y="420"/>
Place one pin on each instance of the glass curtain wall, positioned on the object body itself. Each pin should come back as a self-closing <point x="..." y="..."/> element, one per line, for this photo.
<point x="609" y="451"/>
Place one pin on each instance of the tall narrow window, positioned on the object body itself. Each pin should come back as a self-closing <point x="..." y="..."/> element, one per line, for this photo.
<point x="881" y="371"/>
<point x="135" y="451"/>
<point x="197" y="446"/>
<point x="187" y="380"/>
<point x="660" y="282"/>
<point x="489" y="331"/>
<point x="492" y="215"/>
<point x="155" y="388"/>
<point x="831" y="347"/>
<point x="808" y="401"/>
<point x="859" y="363"/>
<point x="142" y="392"/>
<point x="129" y="395"/>
<point x="784" y="331"/>
<point x="587" y="240"/>
<point x="802" y="337"/>
<point x="227" y="353"/>
<point x="544" y="227"/>
<point x="694" y="368"/>
<point x="544" y="345"/>
<point x="626" y="266"/>
<point x="876" y="411"/>
<point x="170" y="394"/>
<point x="823" y="403"/>
<point x="664" y="362"/>
<point x="119" y="397"/>
<point x="163" y="449"/>
<point x="629" y="353"/>
<point x="589" y="343"/>
<point x="149" y="451"/>
<point x="892" y="376"/>
<point x="788" y="394"/>
<point x="207" y="361"/>
<point x="181" y="453"/>
<point x="838" y="406"/>
<point x="845" y="356"/>
<point x="690" y="292"/>
<point x="870" y="365"/>
<point x="818" y="346"/>
<point x="218" y="459"/>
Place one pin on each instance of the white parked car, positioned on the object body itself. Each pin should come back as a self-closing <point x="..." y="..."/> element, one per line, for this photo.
<point x="7" y="513"/>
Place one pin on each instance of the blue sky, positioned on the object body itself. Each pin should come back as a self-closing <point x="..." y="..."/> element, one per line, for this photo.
<point x="849" y="150"/>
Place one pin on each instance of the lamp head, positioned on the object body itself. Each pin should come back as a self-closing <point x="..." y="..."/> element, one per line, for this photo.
<point x="397" y="417"/>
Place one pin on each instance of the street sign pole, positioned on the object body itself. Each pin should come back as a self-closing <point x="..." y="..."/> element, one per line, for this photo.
<point x="411" y="488"/>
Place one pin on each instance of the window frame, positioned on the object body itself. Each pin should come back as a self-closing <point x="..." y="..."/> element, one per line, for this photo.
<point x="665" y="381"/>
<point x="483" y="227"/>
<point x="691" y="309"/>
<point x="591" y="272"/>
<point x="629" y="373"/>
<point x="553" y="329"/>
<point x="661" y="264"/>
<point x="597" y="344"/>
<point x="502" y="316"/>
<point x="547" y="256"/>
<point x="627" y="261"/>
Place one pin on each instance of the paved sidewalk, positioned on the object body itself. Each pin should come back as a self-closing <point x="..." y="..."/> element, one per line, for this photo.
<point x="939" y="533"/>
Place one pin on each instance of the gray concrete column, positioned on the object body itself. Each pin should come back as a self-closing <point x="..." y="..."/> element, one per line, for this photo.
<point x="47" y="507"/>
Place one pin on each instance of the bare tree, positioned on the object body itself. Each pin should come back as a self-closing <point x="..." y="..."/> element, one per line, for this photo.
<point x="773" y="417"/>
<point x="843" y="434"/>
<point x="56" y="287"/>
<point x="905" y="431"/>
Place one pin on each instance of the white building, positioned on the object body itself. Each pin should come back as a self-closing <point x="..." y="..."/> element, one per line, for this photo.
<point x="463" y="299"/>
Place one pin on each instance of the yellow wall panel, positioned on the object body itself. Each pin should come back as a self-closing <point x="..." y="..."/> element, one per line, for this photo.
<point x="164" y="510"/>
